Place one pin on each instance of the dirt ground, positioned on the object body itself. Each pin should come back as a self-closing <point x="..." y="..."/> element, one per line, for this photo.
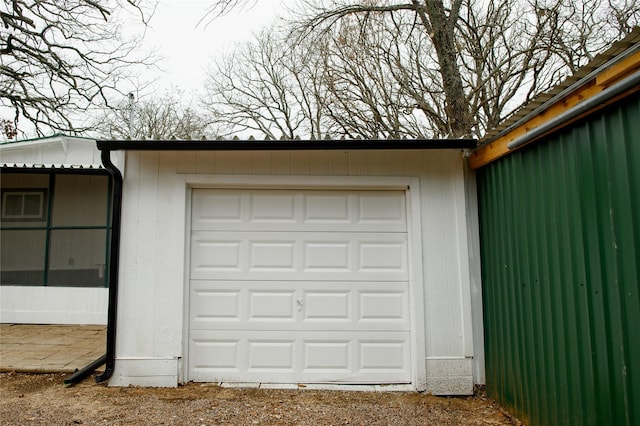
<point x="28" y="399"/>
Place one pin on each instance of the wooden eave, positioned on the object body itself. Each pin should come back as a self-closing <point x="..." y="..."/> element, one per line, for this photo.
<point x="494" y="148"/>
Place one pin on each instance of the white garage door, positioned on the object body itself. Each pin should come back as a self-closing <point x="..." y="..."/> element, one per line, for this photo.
<point x="299" y="286"/>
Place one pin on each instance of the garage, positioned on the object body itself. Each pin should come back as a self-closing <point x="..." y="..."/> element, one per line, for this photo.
<point x="325" y="262"/>
<point x="299" y="285"/>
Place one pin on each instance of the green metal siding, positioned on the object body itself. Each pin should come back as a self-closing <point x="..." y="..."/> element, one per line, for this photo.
<point x="560" y="235"/>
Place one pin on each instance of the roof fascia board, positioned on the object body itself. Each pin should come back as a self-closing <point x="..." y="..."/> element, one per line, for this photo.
<point x="611" y="67"/>
<point x="53" y="168"/>
<point x="288" y="145"/>
<point x="591" y="85"/>
<point x="621" y="89"/>
<point x="63" y="140"/>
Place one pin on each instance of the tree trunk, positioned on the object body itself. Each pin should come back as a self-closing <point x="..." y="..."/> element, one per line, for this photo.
<point x="441" y="31"/>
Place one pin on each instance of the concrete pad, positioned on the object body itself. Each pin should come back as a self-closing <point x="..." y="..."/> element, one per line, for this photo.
<point x="50" y="348"/>
<point x="240" y="385"/>
<point x="285" y="386"/>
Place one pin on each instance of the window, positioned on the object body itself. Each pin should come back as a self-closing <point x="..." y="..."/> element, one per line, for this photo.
<point x="23" y="204"/>
<point x="54" y="229"/>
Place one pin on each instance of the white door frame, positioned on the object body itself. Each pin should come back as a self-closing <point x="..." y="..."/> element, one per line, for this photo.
<point x="411" y="186"/>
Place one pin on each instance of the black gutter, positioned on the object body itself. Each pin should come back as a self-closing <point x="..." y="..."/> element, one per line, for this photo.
<point x="114" y="261"/>
<point x="114" y="251"/>
<point x="281" y="145"/>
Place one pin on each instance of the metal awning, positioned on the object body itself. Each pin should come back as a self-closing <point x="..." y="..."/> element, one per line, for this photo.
<point x="52" y="168"/>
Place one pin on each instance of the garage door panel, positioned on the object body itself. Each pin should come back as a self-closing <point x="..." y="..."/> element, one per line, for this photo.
<point x="270" y="355"/>
<point x="272" y="207"/>
<point x="328" y="306"/>
<point x="374" y="357"/>
<point x="329" y="256"/>
<point x="209" y="255"/>
<point x="212" y="209"/>
<point x="333" y="354"/>
<point x="271" y="306"/>
<point x="269" y="255"/>
<point x="294" y="286"/>
<point x="299" y="255"/>
<point x="328" y="208"/>
<point x="254" y="210"/>
<point x="382" y="208"/>
<point x="383" y="306"/>
<point x="209" y="305"/>
<point x="382" y="355"/>
<point x="310" y="305"/>
<point x="294" y="326"/>
<point x="222" y="355"/>
<point x="382" y="256"/>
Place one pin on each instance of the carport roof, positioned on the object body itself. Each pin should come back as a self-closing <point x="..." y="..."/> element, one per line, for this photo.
<point x="279" y="145"/>
<point x="49" y="166"/>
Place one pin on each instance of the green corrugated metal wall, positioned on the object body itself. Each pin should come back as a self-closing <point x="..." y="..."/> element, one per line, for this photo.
<point x="560" y="235"/>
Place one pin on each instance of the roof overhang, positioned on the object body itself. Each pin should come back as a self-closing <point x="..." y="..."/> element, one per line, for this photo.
<point x="282" y="145"/>
<point x="52" y="168"/>
<point x="577" y="97"/>
<point x="57" y="139"/>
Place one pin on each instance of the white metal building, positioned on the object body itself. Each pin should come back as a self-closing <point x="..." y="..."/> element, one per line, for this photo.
<point x="329" y="262"/>
<point x="55" y="207"/>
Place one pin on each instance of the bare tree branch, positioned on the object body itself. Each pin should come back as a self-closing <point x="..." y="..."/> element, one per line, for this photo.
<point x="267" y="87"/>
<point x="59" y="59"/>
<point x="415" y="68"/>
<point x="165" y="117"/>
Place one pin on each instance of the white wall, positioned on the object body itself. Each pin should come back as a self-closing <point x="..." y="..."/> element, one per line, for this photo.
<point x="151" y="308"/>
<point x="53" y="305"/>
<point x="52" y="150"/>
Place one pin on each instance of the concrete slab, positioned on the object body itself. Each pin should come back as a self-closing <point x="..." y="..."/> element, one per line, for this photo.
<point x="31" y="348"/>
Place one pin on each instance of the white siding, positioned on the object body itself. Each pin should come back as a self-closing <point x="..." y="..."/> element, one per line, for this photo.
<point x="53" y="305"/>
<point x="151" y="306"/>
<point x="54" y="150"/>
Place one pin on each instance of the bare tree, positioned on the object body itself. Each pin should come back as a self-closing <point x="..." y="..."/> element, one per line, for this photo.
<point x="365" y="96"/>
<point x="59" y="58"/>
<point x="277" y="87"/>
<point x="158" y="118"/>
<point x="436" y="20"/>
<point x="447" y="68"/>
<point x="269" y="87"/>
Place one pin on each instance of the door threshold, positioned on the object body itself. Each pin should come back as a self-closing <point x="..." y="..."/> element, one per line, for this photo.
<point x="391" y="387"/>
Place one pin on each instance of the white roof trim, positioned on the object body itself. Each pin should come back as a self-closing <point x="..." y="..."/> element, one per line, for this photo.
<point x="50" y="140"/>
<point x="52" y="166"/>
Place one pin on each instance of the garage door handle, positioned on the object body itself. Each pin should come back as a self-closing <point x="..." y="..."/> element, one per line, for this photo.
<point x="299" y="301"/>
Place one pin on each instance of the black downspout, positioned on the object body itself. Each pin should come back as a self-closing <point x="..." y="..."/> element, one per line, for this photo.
<point x="114" y="250"/>
<point x="114" y="260"/>
<point x="85" y="371"/>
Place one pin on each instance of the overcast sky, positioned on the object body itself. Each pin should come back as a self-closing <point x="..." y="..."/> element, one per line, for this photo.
<point x="187" y="45"/>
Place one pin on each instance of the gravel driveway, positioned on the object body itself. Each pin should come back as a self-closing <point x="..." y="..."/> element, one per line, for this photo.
<point x="42" y="399"/>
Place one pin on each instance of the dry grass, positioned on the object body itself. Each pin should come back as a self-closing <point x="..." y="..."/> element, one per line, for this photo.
<point x="42" y="399"/>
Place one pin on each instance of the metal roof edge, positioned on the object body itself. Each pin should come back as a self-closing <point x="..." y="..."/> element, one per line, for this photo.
<point x="618" y="51"/>
<point x="280" y="145"/>
<point x="593" y="86"/>
<point x="58" y="137"/>
<point x="12" y="167"/>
